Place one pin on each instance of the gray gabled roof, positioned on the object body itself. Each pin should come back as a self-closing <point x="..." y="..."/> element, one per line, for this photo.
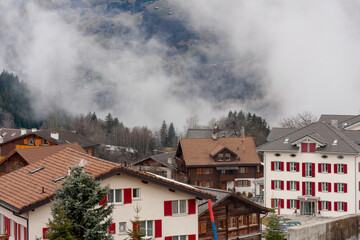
<point x="207" y="133"/>
<point x="276" y="133"/>
<point x="162" y="159"/>
<point x="340" y="118"/>
<point x="323" y="132"/>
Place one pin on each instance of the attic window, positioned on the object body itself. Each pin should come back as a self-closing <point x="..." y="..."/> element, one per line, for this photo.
<point x="324" y="156"/>
<point x="292" y="155"/>
<point x="286" y="141"/>
<point x="59" y="178"/>
<point x="335" y="142"/>
<point x="277" y="154"/>
<point x="340" y="157"/>
<point x="30" y="141"/>
<point x="36" y="170"/>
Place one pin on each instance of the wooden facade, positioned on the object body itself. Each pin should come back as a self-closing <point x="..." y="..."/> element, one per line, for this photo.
<point x="235" y="218"/>
<point x="11" y="164"/>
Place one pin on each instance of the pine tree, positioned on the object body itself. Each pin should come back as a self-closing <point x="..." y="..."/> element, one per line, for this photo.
<point x="60" y="226"/>
<point x="273" y="228"/>
<point x="163" y="134"/>
<point x="136" y="233"/>
<point x="171" y="136"/>
<point x="79" y="197"/>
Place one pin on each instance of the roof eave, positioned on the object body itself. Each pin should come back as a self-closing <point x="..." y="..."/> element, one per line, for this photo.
<point x="8" y="206"/>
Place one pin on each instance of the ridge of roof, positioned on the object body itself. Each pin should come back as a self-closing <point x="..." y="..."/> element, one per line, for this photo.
<point x="344" y="137"/>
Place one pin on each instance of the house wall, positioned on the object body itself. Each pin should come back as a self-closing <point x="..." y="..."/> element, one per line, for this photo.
<point x="351" y="178"/>
<point x="152" y="197"/>
<point x="11" y="164"/>
<point x="20" y="221"/>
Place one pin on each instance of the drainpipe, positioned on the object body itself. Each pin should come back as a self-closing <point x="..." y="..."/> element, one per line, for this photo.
<point x="27" y="224"/>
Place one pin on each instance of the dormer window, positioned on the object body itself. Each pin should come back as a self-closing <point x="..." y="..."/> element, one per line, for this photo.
<point x="227" y="156"/>
<point x="335" y="142"/>
<point x="308" y="147"/>
<point x="221" y="157"/>
<point x="286" y="141"/>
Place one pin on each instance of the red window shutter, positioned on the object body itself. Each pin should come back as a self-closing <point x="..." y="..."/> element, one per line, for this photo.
<point x="282" y="166"/>
<point x="127" y="196"/>
<point x="313" y="188"/>
<point x="192" y="206"/>
<point x="345" y="168"/>
<point x="19" y="231"/>
<point x="335" y="187"/>
<point x="158" y="228"/>
<point x="313" y="169"/>
<point x="297" y="185"/>
<point x="136" y="227"/>
<point x="167" y="208"/>
<point x="329" y="187"/>
<point x="272" y="184"/>
<point x="345" y="206"/>
<point x="359" y="167"/>
<point x="298" y="204"/>
<point x="335" y="206"/>
<point x="282" y="185"/>
<point x="304" y="147"/>
<point x="288" y="185"/>
<point x="15" y="231"/>
<point x="192" y="237"/>
<point x="7" y="226"/>
<point x="345" y="187"/>
<point x="303" y="169"/>
<point x="312" y="147"/>
<point x="272" y="166"/>
<point x="112" y="228"/>
<point x="319" y="186"/>
<point x="329" y="168"/>
<point x="103" y="201"/>
<point x="303" y="188"/>
<point x="25" y="233"/>
<point x="168" y="238"/>
<point x="297" y="167"/>
<point x="335" y="168"/>
<point x="282" y="203"/>
<point x="319" y="205"/>
<point x="45" y="232"/>
<point x="288" y="203"/>
<point x="288" y="166"/>
<point x="319" y="167"/>
<point x="272" y="203"/>
<point x="329" y="205"/>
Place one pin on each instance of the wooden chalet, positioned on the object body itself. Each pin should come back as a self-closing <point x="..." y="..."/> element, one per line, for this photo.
<point x="235" y="217"/>
<point x="46" y="137"/>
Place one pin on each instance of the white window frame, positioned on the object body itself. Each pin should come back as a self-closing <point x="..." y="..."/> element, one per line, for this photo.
<point x="340" y="206"/>
<point x="293" y="167"/>
<point x="325" y="205"/>
<point x="324" y="187"/>
<point x="324" y="168"/>
<point x="340" y="187"/>
<point x="308" y="170"/>
<point x="277" y="184"/>
<point x="146" y="223"/>
<point x="133" y="195"/>
<point x="293" y="186"/>
<point x="340" y="168"/>
<point x="276" y="202"/>
<point x="308" y="188"/>
<point x="277" y="166"/>
<point x="227" y="157"/>
<point x="114" y="201"/>
<point x="242" y="169"/>
<point x="122" y="224"/>
<point x="178" y="202"/>
<point x="220" y="157"/>
<point x="293" y="203"/>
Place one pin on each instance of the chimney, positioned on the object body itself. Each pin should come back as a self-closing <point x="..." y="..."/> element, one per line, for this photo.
<point x="33" y="129"/>
<point x="170" y="161"/>
<point x="43" y="190"/>
<point x="23" y="131"/>
<point x="216" y="127"/>
<point x="334" y="123"/>
<point x="54" y="135"/>
<point x="214" y="136"/>
<point x="1" y="139"/>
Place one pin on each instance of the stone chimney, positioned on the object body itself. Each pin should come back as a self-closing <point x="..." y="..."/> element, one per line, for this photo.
<point x="54" y="135"/>
<point x="23" y="131"/>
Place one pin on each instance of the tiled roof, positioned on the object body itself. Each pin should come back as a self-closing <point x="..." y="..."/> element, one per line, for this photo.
<point x="197" y="151"/>
<point x="207" y="133"/>
<point x="21" y="191"/>
<point x="32" y="155"/>
<point x="323" y="132"/>
<point x="162" y="159"/>
<point x="8" y="134"/>
<point x="276" y="133"/>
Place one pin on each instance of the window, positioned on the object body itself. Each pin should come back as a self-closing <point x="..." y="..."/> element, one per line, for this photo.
<point x="308" y="147"/>
<point x="324" y="205"/>
<point x="122" y="227"/>
<point x="242" y="169"/>
<point x="293" y="186"/>
<point x="44" y="142"/>
<point x="293" y="203"/>
<point x="324" y="168"/>
<point x="136" y="193"/>
<point x="202" y="227"/>
<point x="115" y="196"/>
<point x="242" y="183"/>
<point x="242" y="220"/>
<point x="308" y="188"/>
<point x="308" y="170"/>
<point x="277" y="184"/>
<point x="277" y="166"/>
<point x="199" y="171"/>
<point x="277" y="202"/>
<point x="147" y="228"/>
<point x="181" y="237"/>
<point x="233" y="222"/>
<point x="340" y="187"/>
<point x="221" y="224"/>
<point x="227" y="156"/>
<point x="340" y="206"/>
<point x="293" y="167"/>
<point x="340" y="168"/>
<point x="30" y="141"/>
<point x="179" y="207"/>
<point x="221" y="157"/>
<point x="254" y="218"/>
<point x="325" y="187"/>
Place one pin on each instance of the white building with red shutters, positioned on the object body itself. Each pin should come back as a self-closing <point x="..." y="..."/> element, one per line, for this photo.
<point x="168" y="208"/>
<point x="314" y="170"/>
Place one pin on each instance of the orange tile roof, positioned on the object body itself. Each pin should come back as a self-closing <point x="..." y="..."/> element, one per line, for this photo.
<point x="21" y="191"/>
<point x="197" y="151"/>
<point x="32" y="155"/>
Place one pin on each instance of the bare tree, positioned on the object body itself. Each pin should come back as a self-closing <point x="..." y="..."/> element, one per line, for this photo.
<point x="300" y="120"/>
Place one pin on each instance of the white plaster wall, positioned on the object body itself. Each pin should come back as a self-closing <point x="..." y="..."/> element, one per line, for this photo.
<point x="9" y="214"/>
<point x="351" y="197"/>
<point x="247" y="189"/>
<point x="38" y="220"/>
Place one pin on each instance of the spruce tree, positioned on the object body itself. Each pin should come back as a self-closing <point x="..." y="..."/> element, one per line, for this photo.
<point x="273" y="228"/>
<point x="60" y="226"/>
<point x="171" y="136"/>
<point x="136" y="233"/>
<point x="163" y="134"/>
<point x="79" y="198"/>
